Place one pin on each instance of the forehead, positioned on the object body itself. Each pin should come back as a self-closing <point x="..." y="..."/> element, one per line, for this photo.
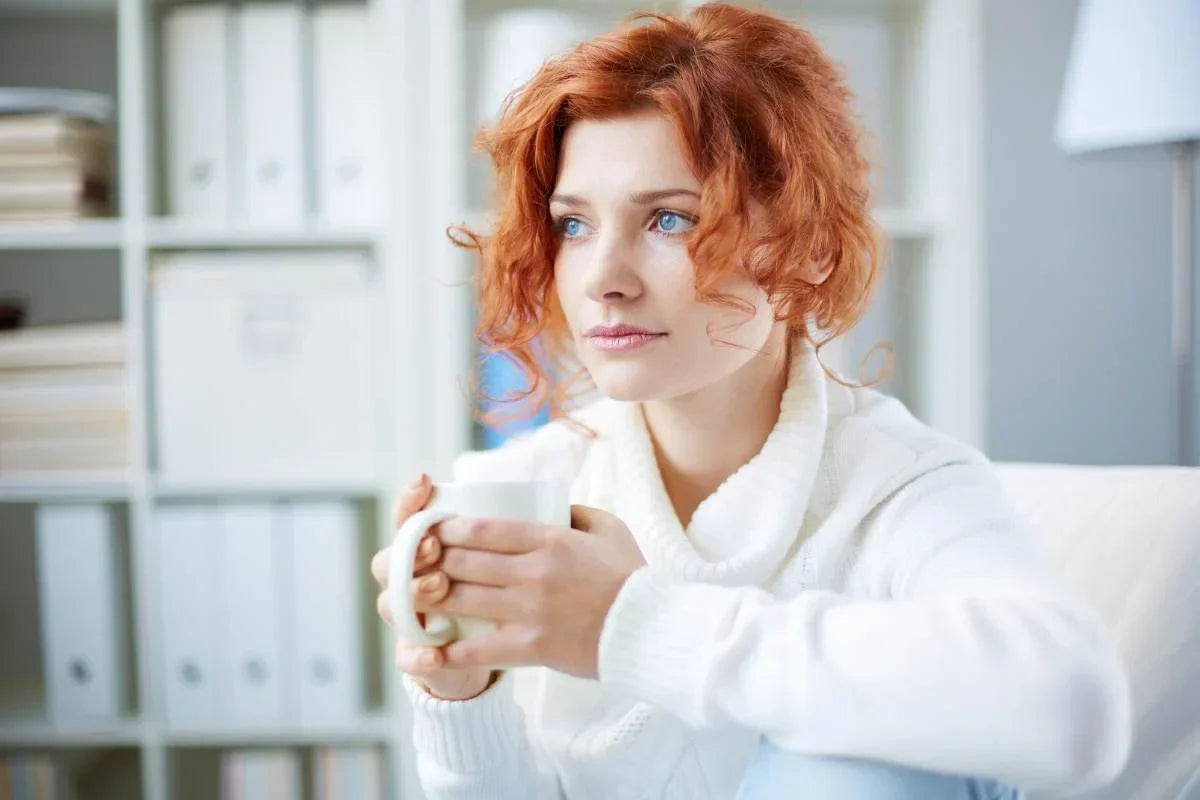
<point x="639" y="151"/>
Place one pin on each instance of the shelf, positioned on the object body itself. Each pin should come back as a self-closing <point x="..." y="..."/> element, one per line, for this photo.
<point x="166" y="233"/>
<point x="170" y="489"/>
<point x="801" y="9"/>
<point x="57" y="7"/>
<point x="619" y="8"/>
<point x="116" y="486"/>
<point x="81" y="486"/>
<point x="106" y="233"/>
<point x="371" y="728"/>
<point x="34" y="731"/>
<point x="83" y="234"/>
<point x="37" y="732"/>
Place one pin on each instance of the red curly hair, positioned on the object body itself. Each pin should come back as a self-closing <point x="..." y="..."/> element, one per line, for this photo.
<point x="761" y="112"/>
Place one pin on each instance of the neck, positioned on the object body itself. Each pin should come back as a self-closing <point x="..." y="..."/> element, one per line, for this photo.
<point x="702" y="438"/>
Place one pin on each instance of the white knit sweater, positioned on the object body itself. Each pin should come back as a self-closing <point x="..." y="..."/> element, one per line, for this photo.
<point x="861" y="587"/>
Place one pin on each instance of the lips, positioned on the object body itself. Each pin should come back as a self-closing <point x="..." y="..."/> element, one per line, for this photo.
<point x="615" y="331"/>
<point x="621" y="338"/>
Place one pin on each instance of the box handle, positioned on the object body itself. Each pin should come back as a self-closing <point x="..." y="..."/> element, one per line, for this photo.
<point x="271" y="325"/>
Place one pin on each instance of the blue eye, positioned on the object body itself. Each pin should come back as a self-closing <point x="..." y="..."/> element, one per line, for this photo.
<point x="671" y="222"/>
<point x="572" y="227"/>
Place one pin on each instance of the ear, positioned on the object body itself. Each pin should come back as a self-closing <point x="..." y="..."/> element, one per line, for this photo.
<point x="815" y="273"/>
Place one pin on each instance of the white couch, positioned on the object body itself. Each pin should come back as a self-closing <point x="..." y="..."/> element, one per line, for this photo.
<point x="1128" y="538"/>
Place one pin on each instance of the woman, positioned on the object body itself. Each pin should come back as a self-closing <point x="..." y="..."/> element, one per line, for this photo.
<point x="775" y="584"/>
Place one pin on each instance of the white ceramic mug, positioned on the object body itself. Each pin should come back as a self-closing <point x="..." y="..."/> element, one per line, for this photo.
<point x="546" y="502"/>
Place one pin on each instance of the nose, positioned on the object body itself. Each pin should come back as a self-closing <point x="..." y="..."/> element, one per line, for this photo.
<point x="612" y="273"/>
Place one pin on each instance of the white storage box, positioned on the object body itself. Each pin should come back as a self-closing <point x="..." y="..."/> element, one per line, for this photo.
<point x="264" y="367"/>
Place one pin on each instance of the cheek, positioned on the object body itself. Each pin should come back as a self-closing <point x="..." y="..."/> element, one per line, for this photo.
<point x="734" y="324"/>
<point x="566" y="291"/>
<point x="671" y="280"/>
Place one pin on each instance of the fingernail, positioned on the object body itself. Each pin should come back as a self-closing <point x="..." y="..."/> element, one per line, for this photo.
<point x="429" y="659"/>
<point x="430" y="582"/>
<point x="426" y="547"/>
<point x="418" y="483"/>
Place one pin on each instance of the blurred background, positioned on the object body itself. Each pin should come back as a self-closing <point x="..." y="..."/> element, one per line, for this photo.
<point x="231" y="325"/>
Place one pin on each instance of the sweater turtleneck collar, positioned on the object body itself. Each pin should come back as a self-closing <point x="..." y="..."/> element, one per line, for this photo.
<point x="741" y="532"/>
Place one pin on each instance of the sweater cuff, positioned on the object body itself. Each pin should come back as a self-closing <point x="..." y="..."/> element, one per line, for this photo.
<point x="655" y="640"/>
<point x="466" y="735"/>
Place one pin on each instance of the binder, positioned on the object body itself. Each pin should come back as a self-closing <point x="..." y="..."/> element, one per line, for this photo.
<point x="327" y="570"/>
<point x="348" y="142"/>
<point x="81" y="565"/>
<point x="270" y="119"/>
<point x="252" y="553"/>
<point x="188" y="549"/>
<point x="196" y="107"/>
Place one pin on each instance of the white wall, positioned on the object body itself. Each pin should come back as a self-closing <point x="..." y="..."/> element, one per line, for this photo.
<point x="1078" y="262"/>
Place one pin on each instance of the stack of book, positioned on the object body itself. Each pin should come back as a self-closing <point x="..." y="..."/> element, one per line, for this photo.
<point x="339" y="773"/>
<point x="55" y="154"/>
<point x="34" y="777"/>
<point x="63" y="400"/>
<point x="343" y="772"/>
<point x="260" y="774"/>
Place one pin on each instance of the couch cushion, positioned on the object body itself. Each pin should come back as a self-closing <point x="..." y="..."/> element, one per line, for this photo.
<point x="1128" y="539"/>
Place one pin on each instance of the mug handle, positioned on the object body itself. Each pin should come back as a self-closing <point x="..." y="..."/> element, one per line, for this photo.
<point x="439" y="628"/>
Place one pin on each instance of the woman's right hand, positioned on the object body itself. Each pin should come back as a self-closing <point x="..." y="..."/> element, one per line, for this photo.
<point x="424" y="662"/>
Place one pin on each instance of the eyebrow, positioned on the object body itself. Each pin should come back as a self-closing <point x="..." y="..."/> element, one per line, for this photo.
<point x="637" y="198"/>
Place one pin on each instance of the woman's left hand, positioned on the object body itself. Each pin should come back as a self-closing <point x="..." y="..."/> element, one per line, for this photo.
<point x="549" y="588"/>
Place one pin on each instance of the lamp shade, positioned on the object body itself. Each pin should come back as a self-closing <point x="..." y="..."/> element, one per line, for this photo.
<point x="1133" y="77"/>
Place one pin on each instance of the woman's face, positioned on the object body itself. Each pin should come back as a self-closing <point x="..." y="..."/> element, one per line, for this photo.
<point x="623" y="206"/>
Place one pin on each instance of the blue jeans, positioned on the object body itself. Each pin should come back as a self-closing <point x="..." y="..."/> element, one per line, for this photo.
<point x="775" y="773"/>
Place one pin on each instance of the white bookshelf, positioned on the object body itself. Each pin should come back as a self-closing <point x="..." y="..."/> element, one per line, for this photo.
<point x="374" y="728"/>
<point x="91" y="485"/>
<point x="427" y="57"/>
<point x="166" y="233"/>
<point x="60" y="7"/>
<point x="35" y="733"/>
<point x="88" y="234"/>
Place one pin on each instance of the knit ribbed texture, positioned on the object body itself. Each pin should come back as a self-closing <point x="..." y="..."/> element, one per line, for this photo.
<point x="466" y="735"/>
<point x="860" y="586"/>
<point x="647" y="650"/>
<point x="755" y="515"/>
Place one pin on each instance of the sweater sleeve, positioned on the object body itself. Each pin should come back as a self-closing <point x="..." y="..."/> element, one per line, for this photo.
<point x="480" y="748"/>
<point x="477" y="749"/>
<point x="976" y="661"/>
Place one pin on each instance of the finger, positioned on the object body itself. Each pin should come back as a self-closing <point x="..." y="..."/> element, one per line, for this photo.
<point x="417" y="660"/>
<point x="384" y="606"/>
<point x="422" y="599"/>
<point x="412" y="499"/>
<point x="428" y="590"/>
<point x="489" y="602"/>
<point x="379" y="566"/>
<point x="485" y="567"/>
<point x="508" y="645"/>
<point x="497" y="535"/>
<point x="428" y="553"/>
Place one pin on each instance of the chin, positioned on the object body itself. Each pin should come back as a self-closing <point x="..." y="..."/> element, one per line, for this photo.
<point x="628" y="382"/>
<point x="636" y="383"/>
<point x="631" y="391"/>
